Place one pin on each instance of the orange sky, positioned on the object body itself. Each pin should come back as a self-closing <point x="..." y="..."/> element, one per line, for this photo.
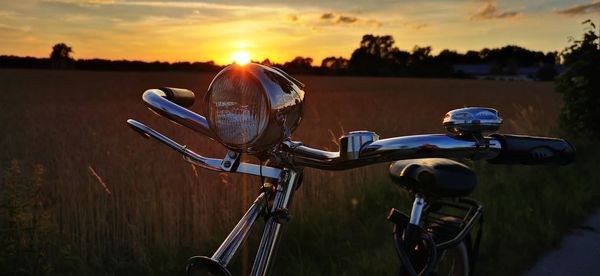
<point x="280" y="30"/>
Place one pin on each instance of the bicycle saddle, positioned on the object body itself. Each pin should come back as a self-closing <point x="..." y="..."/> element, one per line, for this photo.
<point x="434" y="176"/>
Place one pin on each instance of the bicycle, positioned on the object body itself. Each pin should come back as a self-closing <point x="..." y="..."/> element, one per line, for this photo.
<point x="254" y="109"/>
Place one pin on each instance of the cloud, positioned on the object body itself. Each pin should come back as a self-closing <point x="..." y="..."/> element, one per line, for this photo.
<point x="292" y="17"/>
<point x="375" y="23"/>
<point x="581" y="9"/>
<point x="327" y="16"/>
<point x="490" y="11"/>
<point x="341" y="19"/>
<point x="346" y="19"/>
<point x="82" y="3"/>
<point x="420" y="26"/>
<point x="161" y="4"/>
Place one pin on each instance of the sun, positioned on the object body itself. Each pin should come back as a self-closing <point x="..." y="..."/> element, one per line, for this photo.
<point x="241" y="57"/>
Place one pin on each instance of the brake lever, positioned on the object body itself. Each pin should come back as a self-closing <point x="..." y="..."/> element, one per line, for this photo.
<point x="213" y="164"/>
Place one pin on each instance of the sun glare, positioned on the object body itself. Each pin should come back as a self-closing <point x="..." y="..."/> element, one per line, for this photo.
<point x="241" y="57"/>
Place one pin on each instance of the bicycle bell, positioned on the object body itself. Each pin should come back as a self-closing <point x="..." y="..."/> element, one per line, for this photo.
<point x="472" y="120"/>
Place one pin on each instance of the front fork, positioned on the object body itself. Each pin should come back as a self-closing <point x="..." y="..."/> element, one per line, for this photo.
<point x="282" y="195"/>
<point x="269" y="242"/>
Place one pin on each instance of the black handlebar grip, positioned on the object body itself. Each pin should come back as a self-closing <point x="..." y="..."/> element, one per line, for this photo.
<point x="528" y="150"/>
<point x="180" y="96"/>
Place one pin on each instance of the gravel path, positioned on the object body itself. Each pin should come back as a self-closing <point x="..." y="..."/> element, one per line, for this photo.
<point x="578" y="254"/>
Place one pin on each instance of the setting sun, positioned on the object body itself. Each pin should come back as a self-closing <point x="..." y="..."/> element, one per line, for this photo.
<point x="241" y="57"/>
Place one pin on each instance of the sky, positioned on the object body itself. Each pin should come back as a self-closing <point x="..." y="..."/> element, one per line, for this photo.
<point x="279" y="29"/>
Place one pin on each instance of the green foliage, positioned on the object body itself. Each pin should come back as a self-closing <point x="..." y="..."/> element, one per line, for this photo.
<point x="29" y="239"/>
<point x="580" y="85"/>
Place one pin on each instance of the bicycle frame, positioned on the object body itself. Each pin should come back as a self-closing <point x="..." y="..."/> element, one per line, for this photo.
<point x="281" y="195"/>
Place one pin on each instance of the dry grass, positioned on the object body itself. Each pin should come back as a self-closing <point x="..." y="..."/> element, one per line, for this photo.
<point x="71" y="122"/>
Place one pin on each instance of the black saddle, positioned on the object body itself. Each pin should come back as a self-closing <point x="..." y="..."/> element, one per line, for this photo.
<point x="434" y="176"/>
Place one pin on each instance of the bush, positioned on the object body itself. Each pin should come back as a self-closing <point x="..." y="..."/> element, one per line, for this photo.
<point x="29" y="239"/>
<point x="580" y="86"/>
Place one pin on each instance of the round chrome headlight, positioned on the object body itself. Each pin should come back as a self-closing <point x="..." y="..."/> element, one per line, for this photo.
<point x="253" y="107"/>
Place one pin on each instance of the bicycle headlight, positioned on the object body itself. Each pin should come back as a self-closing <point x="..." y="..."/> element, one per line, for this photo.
<point x="252" y="108"/>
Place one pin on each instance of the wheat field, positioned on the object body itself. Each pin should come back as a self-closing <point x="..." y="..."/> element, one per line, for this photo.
<point x="122" y="202"/>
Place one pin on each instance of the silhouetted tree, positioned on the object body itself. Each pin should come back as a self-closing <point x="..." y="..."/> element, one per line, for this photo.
<point x="299" y="65"/>
<point x="334" y="65"/>
<point x="375" y="56"/>
<point x="399" y="58"/>
<point x="471" y="57"/>
<point x="420" y="54"/>
<point x="379" y="46"/>
<point x="579" y="85"/>
<point x="266" y="62"/>
<point x="507" y="59"/>
<point x="423" y="64"/>
<point x="60" y="57"/>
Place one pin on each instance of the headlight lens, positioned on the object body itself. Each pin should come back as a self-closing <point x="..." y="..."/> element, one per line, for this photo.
<point x="237" y="108"/>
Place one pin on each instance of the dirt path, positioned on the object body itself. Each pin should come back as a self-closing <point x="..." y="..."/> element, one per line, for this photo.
<point x="578" y="254"/>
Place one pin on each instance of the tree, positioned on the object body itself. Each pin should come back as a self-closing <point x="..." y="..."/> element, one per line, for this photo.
<point x="420" y="54"/>
<point x="375" y="56"/>
<point x="579" y="85"/>
<point x="266" y="62"/>
<point x="61" y="56"/>
<point x="336" y="65"/>
<point x="299" y="65"/>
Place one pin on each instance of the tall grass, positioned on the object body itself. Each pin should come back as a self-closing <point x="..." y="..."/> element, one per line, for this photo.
<point x="160" y="211"/>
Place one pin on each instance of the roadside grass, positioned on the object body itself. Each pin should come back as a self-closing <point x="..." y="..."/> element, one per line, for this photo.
<point x="530" y="208"/>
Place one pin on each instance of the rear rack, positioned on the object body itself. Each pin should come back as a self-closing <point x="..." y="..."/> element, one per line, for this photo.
<point x="452" y="220"/>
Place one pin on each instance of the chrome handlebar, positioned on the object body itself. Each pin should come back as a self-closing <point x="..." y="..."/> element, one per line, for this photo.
<point x="158" y="102"/>
<point x="391" y="149"/>
<point x="419" y="146"/>
<point x="368" y="151"/>
<point x="213" y="164"/>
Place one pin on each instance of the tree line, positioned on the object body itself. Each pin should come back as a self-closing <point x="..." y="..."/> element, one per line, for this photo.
<point x="60" y="58"/>
<point x="375" y="56"/>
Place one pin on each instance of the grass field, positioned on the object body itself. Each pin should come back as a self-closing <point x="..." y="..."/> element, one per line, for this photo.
<point x="88" y="195"/>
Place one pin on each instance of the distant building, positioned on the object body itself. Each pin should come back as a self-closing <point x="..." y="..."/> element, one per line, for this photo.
<point x="472" y="69"/>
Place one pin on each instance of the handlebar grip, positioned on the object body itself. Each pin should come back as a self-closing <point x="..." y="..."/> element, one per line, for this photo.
<point x="180" y="96"/>
<point x="528" y="150"/>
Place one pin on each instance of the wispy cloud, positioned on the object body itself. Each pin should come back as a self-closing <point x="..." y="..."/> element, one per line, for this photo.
<point x="491" y="11"/>
<point x="419" y="26"/>
<point x="292" y="17"/>
<point x="581" y="9"/>
<point x="81" y="3"/>
<point x="342" y="19"/>
<point x="165" y="4"/>
<point x="346" y="19"/>
<point x="327" y="16"/>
